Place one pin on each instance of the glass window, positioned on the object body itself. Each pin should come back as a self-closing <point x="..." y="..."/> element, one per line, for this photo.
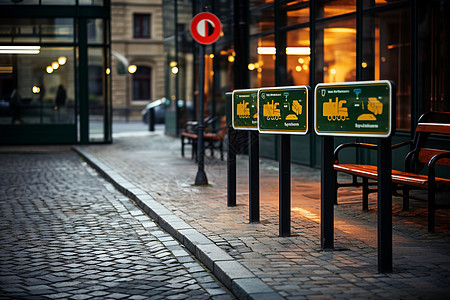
<point x="336" y="51"/>
<point x="262" y="62"/>
<point x="330" y="8"/>
<point x="297" y="12"/>
<point x="262" y="20"/>
<point x="375" y="3"/>
<point x="58" y="2"/>
<point x="38" y="87"/>
<point x="24" y="2"/>
<point x="141" y="83"/>
<point x="141" y="26"/>
<point x="91" y="2"/>
<point x="36" y="30"/>
<point x="386" y="56"/>
<point x="95" y="31"/>
<point x="96" y="72"/>
<point x="298" y="57"/>
<point x="433" y="58"/>
<point x="256" y="3"/>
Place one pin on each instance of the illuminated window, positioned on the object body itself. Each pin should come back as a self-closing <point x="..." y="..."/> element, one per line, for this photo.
<point x="330" y="8"/>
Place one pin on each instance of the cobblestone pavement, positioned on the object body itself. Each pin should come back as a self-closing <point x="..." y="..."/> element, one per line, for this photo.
<point x="66" y="233"/>
<point x="294" y="267"/>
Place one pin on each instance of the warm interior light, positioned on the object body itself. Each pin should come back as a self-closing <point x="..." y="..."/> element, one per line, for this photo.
<point x="173" y="64"/>
<point x="364" y="65"/>
<point x="266" y="50"/>
<point x="108" y="71"/>
<point x="298" y="51"/>
<point x="8" y="69"/>
<point x="289" y="50"/>
<point x="211" y="55"/>
<point x="175" y="70"/>
<point x="231" y="58"/>
<point x="301" y="60"/>
<point x="20" y="49"/>
<point x="49" y="70"/>
<point x="132" y="69"/>
<point x="62" y="60"/>
<point x="333" y="71"/>
<point x="298" y="68"/>
<point x="36" y="89"/>
<point x="55" y="65"/>
<point x="251" y="66"/>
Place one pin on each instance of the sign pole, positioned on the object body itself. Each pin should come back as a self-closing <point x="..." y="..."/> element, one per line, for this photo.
<point x="328" y="193"/>
<point x="285" y="185"/>
<point x="253" y="159"/>
<point x="200" y="178"/>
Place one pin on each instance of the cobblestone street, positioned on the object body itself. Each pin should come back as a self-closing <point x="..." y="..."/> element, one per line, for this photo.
<point x="68" y="234"/>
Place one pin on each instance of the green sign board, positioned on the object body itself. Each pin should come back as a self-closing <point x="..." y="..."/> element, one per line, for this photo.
<point x="283" y="110"/>
<point x="245" y="110"/>
<point x="354" y="109"/>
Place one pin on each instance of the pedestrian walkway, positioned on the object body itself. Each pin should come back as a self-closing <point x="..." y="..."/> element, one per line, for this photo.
<point x="149" y="168"/>
<point x="66" y="233"/>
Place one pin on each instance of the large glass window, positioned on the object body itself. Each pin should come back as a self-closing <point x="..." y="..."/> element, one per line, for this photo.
<point x="96" y="71"/>
<point x="298" y="57"/>
<point x="262" y="62"/>
<point x="37" y="87"/>
<point x="330" y="8"/>
<point x="58" y="30"/>
<point x="336" y="51"/>
<point x="297" y="12"/>
<point x="386" y="56"/>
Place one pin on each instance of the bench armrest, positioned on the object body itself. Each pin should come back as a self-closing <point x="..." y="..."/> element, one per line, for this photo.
<point x="432" y="163"/>
<point x="347" y="145"/>
<point x="402" y="144"/>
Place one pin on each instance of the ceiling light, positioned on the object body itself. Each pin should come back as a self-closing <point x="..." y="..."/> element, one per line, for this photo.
<point x="20" y="49"/>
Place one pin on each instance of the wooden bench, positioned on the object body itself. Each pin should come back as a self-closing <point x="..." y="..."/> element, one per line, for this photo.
<point x="415" y="176"/>
<point x="212" y="141"/>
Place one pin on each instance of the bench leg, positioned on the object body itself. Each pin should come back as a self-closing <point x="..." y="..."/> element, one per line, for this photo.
<point x="405" y="198"/>
<point x="182" y="146"/>
<point x="431" y="209"/>
<point x="221" y="150"/>
<point x="194" y="149"/>
<point x="365" y="192"/>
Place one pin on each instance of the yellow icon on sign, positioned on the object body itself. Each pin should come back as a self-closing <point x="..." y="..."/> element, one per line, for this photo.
<point x="271" y="111"/>
<point x="375" y="107"/>
<point x="242" y="110"/>
<point x="335" y="111"/>
<point x="297" y="109"/>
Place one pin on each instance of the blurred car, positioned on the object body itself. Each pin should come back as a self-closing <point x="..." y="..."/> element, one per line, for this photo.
<point x="159" y="107"/>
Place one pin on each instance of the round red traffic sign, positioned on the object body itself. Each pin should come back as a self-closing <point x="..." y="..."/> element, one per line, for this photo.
<point x="206" y="28"/>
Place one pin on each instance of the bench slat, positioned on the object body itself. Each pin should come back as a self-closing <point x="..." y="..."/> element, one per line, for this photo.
<point x="433" y="128"/>
<point x="398" y="177"/>
<point x="425" y="155"/>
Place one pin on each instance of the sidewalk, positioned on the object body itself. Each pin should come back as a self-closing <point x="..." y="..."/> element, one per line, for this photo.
<point x="250" y="259"/>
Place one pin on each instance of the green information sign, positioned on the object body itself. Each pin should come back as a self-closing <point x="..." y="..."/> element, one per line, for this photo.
<point x="361" y="108"/>
<point x="244" y="109"/>
<point x="283" y="110"/>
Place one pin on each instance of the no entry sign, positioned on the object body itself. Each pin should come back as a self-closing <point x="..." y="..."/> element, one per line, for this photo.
<point x="206" y="28"/>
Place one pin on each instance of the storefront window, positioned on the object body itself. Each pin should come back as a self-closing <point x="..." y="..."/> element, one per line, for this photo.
<point x="96" y="72"/>
<point x="262" y="62"/>
<point x="298" y="57"/>
<point x="297" y="12"/>
<point x="386" y="56"/>
<point x="37" y="88"/>
<point x="330" y="8"/>
<point x="336" y="51"/>
<point x="262" y="20"/>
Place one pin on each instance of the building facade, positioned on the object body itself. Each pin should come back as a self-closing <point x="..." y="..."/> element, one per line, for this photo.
<point x="282" y="42"/>
<point x="55" y="71"/>
<point x="136" y="39"/>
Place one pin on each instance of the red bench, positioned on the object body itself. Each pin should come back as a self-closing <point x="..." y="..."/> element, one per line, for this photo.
<point x="415" y="176"/>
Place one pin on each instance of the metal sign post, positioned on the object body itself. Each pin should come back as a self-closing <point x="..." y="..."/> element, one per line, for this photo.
<point x="284" y="111"/>
<point x="357" y="109"/>
<point x="245" y="117"/>
<point x="200" y="31"/>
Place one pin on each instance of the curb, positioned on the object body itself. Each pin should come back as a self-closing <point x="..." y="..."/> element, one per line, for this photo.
<point x="237" y="278"/>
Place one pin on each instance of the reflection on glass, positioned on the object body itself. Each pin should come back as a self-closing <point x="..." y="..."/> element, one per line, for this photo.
<point x="262" y="20"/>
<point x="256" y="3"/>
<point x="298" y="62"/>
<point x="91" y="2"/>
<point x="386" y="55"/>
<point x="96" y="97"/>
<point x="24" y="2"/>
<point x="29" y="94"/>
<point x="330" y="8"/>
<point x="374" y="3"/>
<point x="18" y="30"/>
<point x="95" y="31"/>
<point x="58" y="2"/>
<point x="297" y="12"/>
<point x="262" y="66"/>
<point x="336" y="51"/>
